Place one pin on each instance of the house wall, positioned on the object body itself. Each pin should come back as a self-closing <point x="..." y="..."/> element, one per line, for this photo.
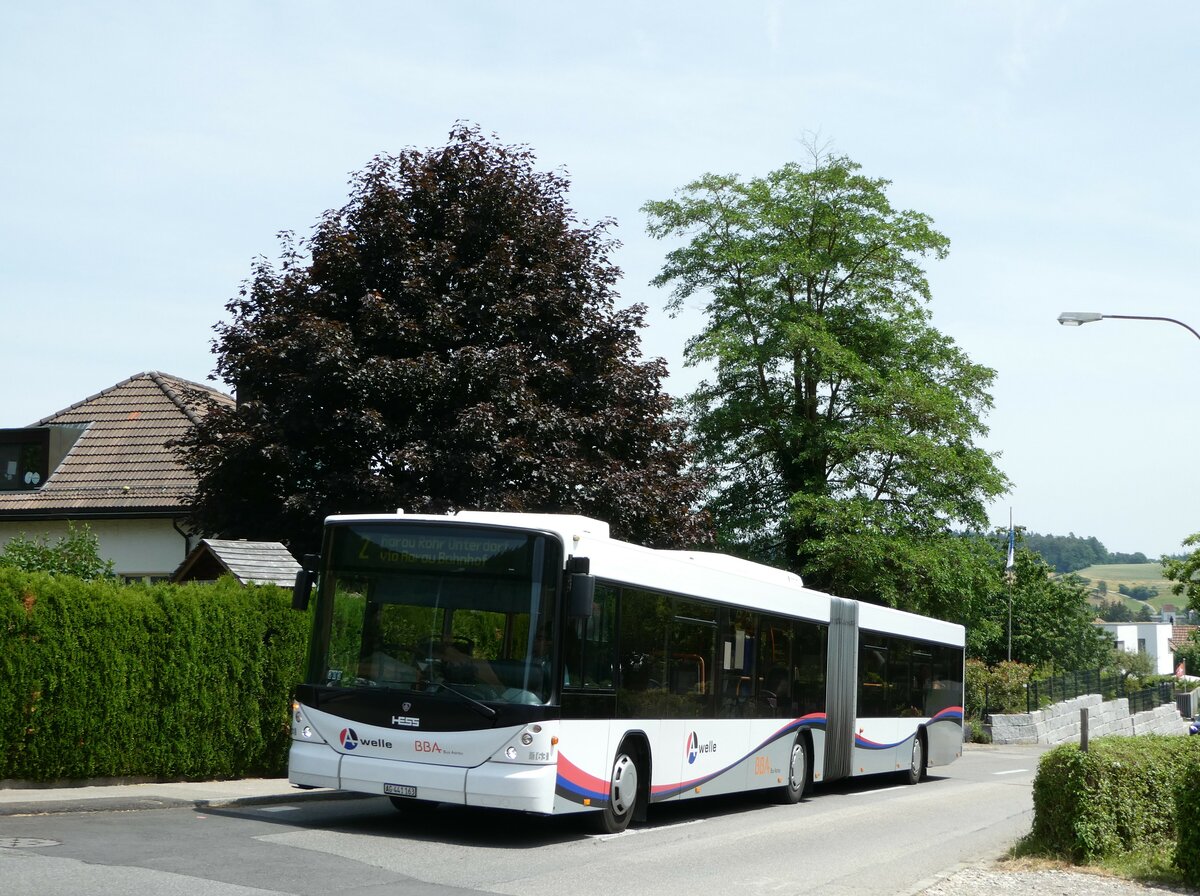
<point x="137" y="548"/>
<point x="1156" y="635"/>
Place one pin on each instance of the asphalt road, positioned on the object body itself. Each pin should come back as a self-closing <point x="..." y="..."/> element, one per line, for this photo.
<point x="861" y="837"/>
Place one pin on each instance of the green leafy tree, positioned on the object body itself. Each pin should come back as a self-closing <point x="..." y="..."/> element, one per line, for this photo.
<point x="1188" y="653"/>
<point x="1130" y="664"/>
<point x="1184" y="571"/>
<point x="838" y="426"/>
<point x="75" y="554"/>
<point x="1138" y="592"/>
<point x="1115" y="611"/>
<point x="1052" y="620"/>
<point x="1068" y="553"/>
<point x="449" y="341"/>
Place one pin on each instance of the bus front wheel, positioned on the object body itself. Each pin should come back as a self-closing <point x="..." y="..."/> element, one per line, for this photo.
<point x="797" y="773"/>
<point x="616" y="814"/>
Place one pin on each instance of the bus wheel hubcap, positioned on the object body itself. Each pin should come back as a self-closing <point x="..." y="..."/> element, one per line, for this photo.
<point x="796" y="772"/>
<point x="624" y="784"/>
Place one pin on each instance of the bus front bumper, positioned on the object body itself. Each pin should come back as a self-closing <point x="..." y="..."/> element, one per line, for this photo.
<point x="496" y="785"/>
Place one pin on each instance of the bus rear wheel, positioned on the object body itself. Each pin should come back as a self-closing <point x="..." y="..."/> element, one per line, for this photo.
<point x="797" y="773"/>
<point x="622" y="795"/>
<point x="916" y="767"/>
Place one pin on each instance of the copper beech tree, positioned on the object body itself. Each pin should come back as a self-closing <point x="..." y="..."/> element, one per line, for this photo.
<point x="448" y="339"/>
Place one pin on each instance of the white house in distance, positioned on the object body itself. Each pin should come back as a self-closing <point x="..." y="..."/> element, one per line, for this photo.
<point x="1152" y="638"/>
<point x="104" y="461"/>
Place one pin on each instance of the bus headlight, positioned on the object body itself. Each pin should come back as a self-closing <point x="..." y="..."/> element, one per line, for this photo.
<point x="526" y="738"/>
<point x="511" y="752"/>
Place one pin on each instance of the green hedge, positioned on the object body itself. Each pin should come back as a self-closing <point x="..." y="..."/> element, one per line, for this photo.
<point x="1187" y="824"/>
<point x="1118" y="796"/>
<point x="101" y="680"/>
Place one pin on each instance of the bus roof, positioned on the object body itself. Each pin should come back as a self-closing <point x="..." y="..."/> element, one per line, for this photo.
<point x="700" y="574"/>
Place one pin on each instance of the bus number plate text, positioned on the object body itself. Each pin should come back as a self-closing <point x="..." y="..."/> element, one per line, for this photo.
<point x="400" y="790"/>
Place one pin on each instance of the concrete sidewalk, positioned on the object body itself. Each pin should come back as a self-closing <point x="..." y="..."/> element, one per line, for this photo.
<point x="124" y="797"/>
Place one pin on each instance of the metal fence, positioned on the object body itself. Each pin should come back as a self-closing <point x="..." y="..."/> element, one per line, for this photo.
<point x="1047" y="691"/>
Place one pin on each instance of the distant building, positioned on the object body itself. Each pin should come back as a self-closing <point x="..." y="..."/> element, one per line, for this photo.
<point x="1151" y="638"/>
<point x="104" y="461"/>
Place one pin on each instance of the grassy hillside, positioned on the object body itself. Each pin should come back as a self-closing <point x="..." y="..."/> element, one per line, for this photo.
<point x="1133" y="574"/>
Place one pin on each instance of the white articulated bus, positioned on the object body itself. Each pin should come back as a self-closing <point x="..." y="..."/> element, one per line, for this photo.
<point x="531" y="662"/>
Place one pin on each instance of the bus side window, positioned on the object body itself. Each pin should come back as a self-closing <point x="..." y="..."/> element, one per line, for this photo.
<point x="777" y="674"/>
<point x="692" y="658"/>
<point x="872" y="680"/>
<point x="739" y="667"/>
<point x="589" y="649"/>
<point x="808" y="682"/>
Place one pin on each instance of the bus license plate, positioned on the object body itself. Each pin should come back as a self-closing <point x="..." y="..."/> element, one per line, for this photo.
<point x="400" y="790"/>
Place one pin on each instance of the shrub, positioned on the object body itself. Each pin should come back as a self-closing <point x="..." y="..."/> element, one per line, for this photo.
<point x="977" y="733"/>
<point x="1001" y="687"/>
<point x="99" y="679"/>
<point x="75" y="554"/>
<point x="1117" y="796"/>
<point x="1187" y="823"/>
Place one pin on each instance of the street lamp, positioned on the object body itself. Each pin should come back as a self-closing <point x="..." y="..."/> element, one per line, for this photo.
<point x="1079" y="318"/>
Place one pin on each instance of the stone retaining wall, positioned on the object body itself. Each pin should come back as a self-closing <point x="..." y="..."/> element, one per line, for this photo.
<point x="1060" y="723"/>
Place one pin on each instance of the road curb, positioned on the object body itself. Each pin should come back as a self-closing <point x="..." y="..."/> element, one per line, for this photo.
<point x="143" y="803"/>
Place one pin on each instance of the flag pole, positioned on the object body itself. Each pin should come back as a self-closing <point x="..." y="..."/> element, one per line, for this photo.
<point x="1009" y="575"/>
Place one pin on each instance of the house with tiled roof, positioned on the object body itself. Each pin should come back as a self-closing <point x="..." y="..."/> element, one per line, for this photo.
<point x="104" y="461"/>
<point x="1182" y="634"/>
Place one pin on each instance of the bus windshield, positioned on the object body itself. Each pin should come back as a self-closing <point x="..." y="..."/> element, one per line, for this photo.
<point x="422" y="607"/>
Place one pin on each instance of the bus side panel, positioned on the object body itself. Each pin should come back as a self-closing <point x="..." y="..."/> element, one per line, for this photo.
<point x="945" y="736"/>
<point x="750" y="754"/>
<point x="585" y="760"/>
<point x="700" y="757"/>
<point x="883" y="745"/>
<point x="689" y="758"/>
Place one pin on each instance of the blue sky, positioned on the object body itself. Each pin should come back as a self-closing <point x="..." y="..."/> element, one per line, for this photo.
<point x="151" y="151"/>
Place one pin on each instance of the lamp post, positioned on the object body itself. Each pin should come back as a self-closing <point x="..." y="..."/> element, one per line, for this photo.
<point x="1079" y="318"/>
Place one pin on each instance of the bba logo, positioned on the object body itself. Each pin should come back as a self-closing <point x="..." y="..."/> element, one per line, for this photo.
<point x="694" y="748"/>
<point x="349" y="739"/>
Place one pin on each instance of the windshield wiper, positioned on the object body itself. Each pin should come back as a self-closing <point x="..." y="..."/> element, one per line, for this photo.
<point x="482" y="708"/>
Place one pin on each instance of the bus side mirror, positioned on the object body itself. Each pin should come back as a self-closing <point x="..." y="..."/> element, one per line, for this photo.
<point x="582" y="595"/>
<point x="304" y="581"/>
<point x="581" y="587"/>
